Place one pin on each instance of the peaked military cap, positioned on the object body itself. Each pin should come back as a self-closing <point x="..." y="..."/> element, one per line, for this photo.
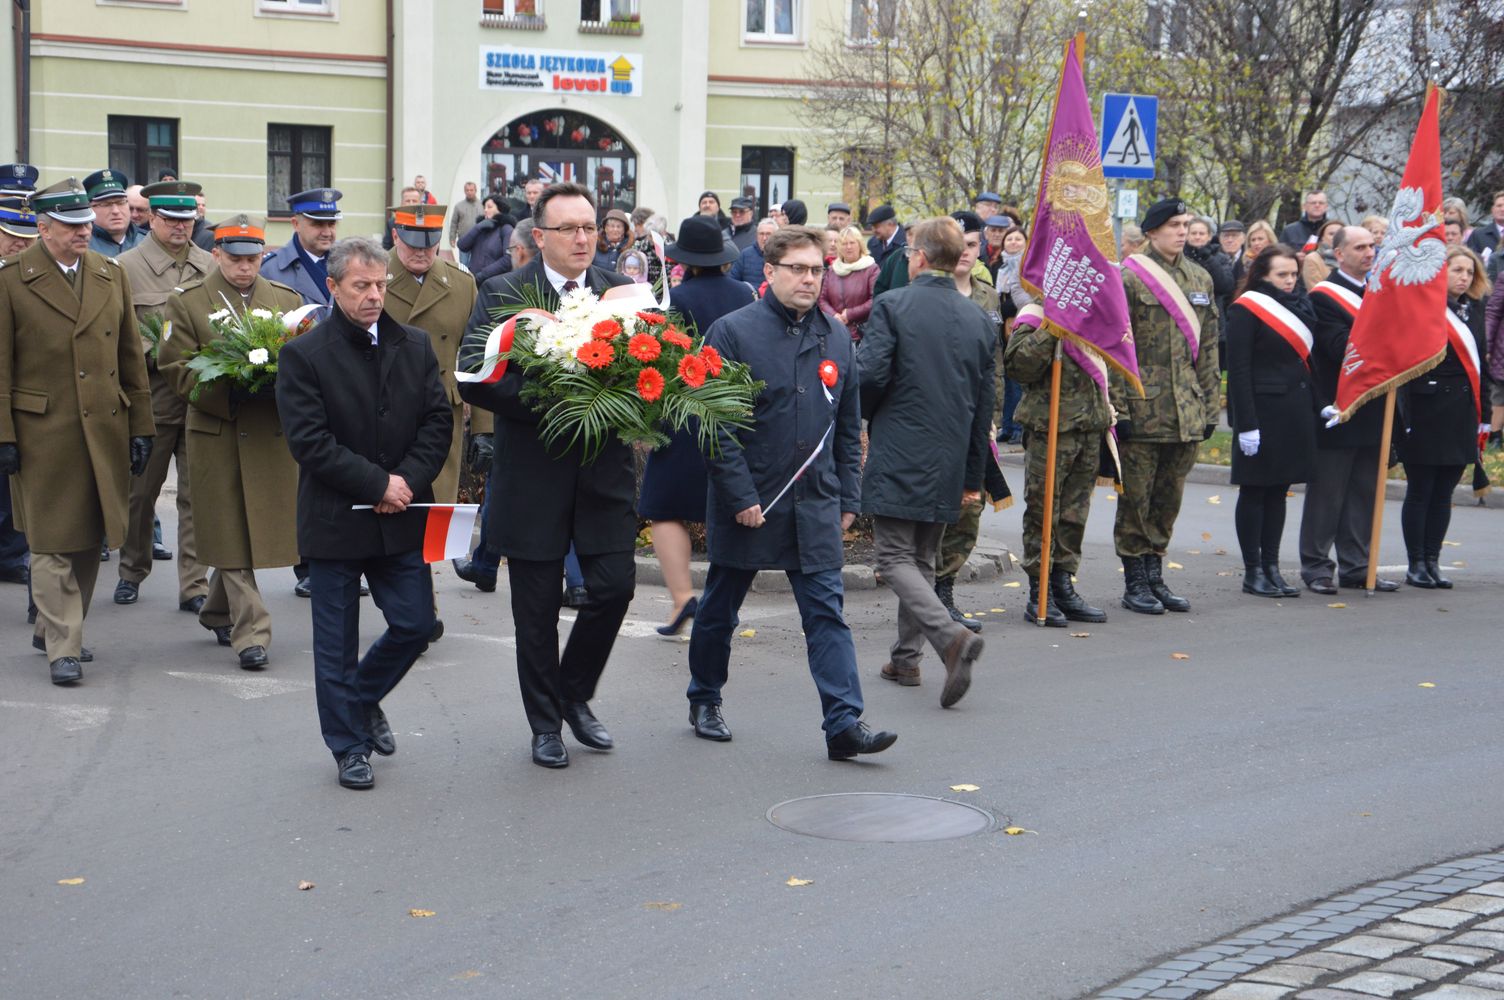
<point x="65" y="201"/>
<point x="17" y="219"/>
<point x="240" y="235"/>
<point x="1162" y="211"/>
<point x="318" y="203"/>
<point x="173" y="199"/>
<point x="419" y="226"/>
<point x="105" y="184"/>
<point x="18" y="178"/>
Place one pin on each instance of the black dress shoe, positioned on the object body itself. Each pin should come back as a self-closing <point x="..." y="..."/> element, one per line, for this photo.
<point x="686" y="613"/>
<point x="708" y="723"/>
<point x="221" y="633"/>
<point x="365" y="591"/>
<point x="303" y="588"/>
<point x="127" y="592"/>
<point x="85" y="655"/>
<point x="576" y="597"/>
<point x="65" y="670"/>
<point x="160" y="552"/>
<point x="253" y="658"/>
<point x="1380" y="585"/>
<point x="437" y="632"/>
<point x="355" y="770"/>
<point x="1257" y="582"/>
<point x="104" y="553"/>
<point x="548" y="750"/>
<point x="1323" y="585"/>
<point x="15" y="574"/>
<point x="382" y="740"/>
<point x="1418" y="576"/>
<point x="1271" y="572"/>
<point x="858" y="739"/>
<point x="193" y="605"/>
<point x="465" y="570"/>
<point x="1434" y="569"/>
<point x="586" y="727"/>
<point x="31" y="614"/>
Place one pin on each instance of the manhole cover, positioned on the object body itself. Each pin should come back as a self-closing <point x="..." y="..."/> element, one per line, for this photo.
<point x="878" y="817"/>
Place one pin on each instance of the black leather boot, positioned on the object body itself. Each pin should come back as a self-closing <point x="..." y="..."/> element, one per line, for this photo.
<point x="1053" y="617"/>
<point x="1272" y="574"/>
<point x="1063" y="595"/>
<point x="1434" y="568"/>
<point x="1154" y="572"/>
<point x="1418" y="575"/>
<point x="1136" y="593"/>
<point x="945" y="589"/>
<point x="1257" y="582"/>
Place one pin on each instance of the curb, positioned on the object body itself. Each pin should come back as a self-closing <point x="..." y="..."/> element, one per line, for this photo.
<point x="987" y="562"/>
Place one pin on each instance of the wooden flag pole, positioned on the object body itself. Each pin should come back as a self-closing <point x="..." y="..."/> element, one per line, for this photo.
<point x="1378" y="496"/>
<point x="1047" y="538"/>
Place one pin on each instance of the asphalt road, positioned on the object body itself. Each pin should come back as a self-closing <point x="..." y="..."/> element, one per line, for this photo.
<point x="1168" y="801"/>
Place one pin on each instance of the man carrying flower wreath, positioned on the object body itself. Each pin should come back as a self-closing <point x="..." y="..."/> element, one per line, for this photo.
<point x="545" y="497"/>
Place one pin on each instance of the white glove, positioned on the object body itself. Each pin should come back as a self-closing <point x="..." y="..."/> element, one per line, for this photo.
<point x="1485" y="428"/>
<point x="1249" y="442"/>
<point x="1330" y="415"/>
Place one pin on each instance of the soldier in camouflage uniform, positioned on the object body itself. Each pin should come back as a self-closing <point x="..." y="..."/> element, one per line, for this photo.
<point x="1084" y="416"/>
<point x="1158" y="435"/>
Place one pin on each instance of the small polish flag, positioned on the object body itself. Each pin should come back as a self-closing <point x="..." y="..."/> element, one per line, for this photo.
<point x="447" y="534"/>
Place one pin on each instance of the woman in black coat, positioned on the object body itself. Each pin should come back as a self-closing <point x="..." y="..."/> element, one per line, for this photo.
<point x="1441" y="417"/>
<point x="487" y="240"/>
<point x="1272" y="409"/>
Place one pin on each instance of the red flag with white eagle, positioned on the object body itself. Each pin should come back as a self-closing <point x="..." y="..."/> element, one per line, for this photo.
<point x="1401" y="331"/>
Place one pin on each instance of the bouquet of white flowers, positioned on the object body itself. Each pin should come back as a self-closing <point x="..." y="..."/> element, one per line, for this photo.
<point x="245" y="352"/>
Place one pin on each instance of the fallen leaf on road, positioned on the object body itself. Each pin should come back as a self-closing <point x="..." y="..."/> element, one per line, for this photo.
<point x="997" y="611"/>
<point x="667" y="907"/>
<point x="70" y="881"/>
<point x="1221" y="552"/>
<point x="1014" y="831"/>
<point x="967" y="614"/>
<point x="1174" y="565"/>
<point x="1214" y="500"/>
<point x="1193" y="552"/>
<point x="1365" y="814"/>
<point x="1337" y="604"/>
<point x="1226" y="572"/>
<point x="1206" y="536"/>
<point x="966" y="788"/>
<point x="747" y="633"/>
<point x="1427" y="684"/>
<point x="1112" y="498"/>
<point x="1012" y="583"/>
<point x="1216" y="453"/>
<point x="420" y="913"/>
<point x="1080" y="635"/>
<point x="467" y="974"/>
<point x="797" y="882"/>
<point x="1180" y="656"/>
<point x="1459" y="564"/>
<point x="304" y="885"/>
<point x="1455" y="545"/>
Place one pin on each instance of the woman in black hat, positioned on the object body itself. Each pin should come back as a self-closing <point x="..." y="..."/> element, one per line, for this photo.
<point x="673" y="485"/>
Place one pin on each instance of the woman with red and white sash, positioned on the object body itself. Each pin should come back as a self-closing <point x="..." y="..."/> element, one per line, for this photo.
<point x="1441" y="416"/>
<point x="1271" y="406"/>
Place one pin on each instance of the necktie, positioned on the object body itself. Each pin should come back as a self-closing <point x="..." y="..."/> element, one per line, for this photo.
<point x="72" y="276"/>
<point x="569" y="286"/>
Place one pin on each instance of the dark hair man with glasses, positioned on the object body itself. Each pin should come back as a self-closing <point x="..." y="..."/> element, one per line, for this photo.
<point x="544" y="498"/>
<point x="763" y="514"/>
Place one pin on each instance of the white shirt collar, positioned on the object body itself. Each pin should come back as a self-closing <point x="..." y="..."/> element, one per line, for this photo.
<point x="557" y="280"/>
<point x="1355" y="282"/>
<point x="66" y="268"/>
<point x="372" y="331"/>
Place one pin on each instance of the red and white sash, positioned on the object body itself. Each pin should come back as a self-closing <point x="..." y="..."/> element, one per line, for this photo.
<point x="1282" y="321"/>
<point x="1461" y="339"/>
<point x="1349" y="300"/>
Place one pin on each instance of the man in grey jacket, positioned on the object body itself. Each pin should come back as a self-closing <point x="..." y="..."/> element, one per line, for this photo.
<point x="926" y="362"/>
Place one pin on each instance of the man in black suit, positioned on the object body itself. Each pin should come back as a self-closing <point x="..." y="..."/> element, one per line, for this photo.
<point x="367" y="419"/>
<point x="547" y="497"/>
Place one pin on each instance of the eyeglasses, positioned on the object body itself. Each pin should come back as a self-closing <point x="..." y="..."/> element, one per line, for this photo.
<point x="569" y="232"/>
<point x="804" y="270"/>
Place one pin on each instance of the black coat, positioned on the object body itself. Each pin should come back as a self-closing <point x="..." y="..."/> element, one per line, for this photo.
<point x="544" y="499"/>
<point x="1269" y="390"/>
<point x="926" y="360"/>
<point x="880" y="251"/>
<point x="354" y="413"/>
<point x="1438" y="413"/>
<point x="1484" y="238"/>
<point x="1220" y="267"/>
<point x="1331" y="330"/>
<point x="486" y="243"/>
<point x="803" y="532"/>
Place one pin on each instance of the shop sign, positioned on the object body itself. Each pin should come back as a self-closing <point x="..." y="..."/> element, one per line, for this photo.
<point x="559" y="71"/>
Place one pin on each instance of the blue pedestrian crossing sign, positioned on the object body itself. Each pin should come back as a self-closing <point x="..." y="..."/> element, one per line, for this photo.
<point x="1130" y="123"/>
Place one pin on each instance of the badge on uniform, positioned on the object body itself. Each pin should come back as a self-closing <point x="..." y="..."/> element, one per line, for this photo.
<point x="1200" y="299"/>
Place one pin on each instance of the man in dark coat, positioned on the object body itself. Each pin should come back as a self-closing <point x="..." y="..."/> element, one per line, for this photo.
<point x="367" y="419"/>
<point x="546" y="497"/>
<point x="767" y="510"/>
<point x="1339" y="498"/>
<point x="1301" y="234"/>
<point x="927" y="359"/>
<point x="887" y="233"/>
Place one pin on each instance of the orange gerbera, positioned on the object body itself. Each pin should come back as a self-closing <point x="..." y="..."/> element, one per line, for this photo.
<point x="712" y="359"/>
<point x="692" y="371"/>
<point x="652" y="319"/>
<point x="606" y="329"/>
<point x="595" y="354"/>
<point x="674" y="336"/>
<point x="644" y="347"/>
<point x="649" y="385"/>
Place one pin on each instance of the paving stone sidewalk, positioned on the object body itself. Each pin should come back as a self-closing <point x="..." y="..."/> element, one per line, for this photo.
<point x="1437" y="933"/>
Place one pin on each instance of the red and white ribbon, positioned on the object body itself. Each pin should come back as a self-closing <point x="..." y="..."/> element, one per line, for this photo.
<point x="1290" y="327"/>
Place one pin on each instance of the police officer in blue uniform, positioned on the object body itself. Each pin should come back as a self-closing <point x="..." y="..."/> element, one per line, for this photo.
<point x="299" y="263"/>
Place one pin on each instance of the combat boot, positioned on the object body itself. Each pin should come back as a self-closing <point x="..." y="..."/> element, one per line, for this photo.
<point x="1154" y="572"/>
<point x="1137" y="596"/>
<point x="1053" y="617"/>
<point x="945" y="589"/>
<point x="1063" y="595"/>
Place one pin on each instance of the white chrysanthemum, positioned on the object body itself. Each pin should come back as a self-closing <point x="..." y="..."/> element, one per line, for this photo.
<point x="219" y="316"/>
<point x="259" y="356"/>
<point x="261" y="313"/>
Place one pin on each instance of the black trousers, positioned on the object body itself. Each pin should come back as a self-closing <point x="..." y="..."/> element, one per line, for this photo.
<point x="1427" y="510"/>
<point x="548" y="679"/>
<point x="1260" y="521"/>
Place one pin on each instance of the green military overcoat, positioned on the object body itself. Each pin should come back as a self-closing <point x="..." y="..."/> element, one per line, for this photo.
<point x="440" y="306"/>
<point x="244" y="480"/>
<point x="154" y="276"/>
<point x="73" y="392"/>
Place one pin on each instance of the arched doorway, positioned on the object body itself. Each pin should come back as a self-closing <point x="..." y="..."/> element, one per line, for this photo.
<point x="561" y="145"/>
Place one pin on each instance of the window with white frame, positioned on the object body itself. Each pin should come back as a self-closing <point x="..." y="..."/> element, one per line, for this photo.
<point x="771" y="20"/>
<point x="510" y="9"/>
<point x="320" y="7"/>
<point x="869" y="20"/>
<point x="607" y="11"/>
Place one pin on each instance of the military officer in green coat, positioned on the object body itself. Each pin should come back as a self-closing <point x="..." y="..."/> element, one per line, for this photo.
<point x="1172" y="309"/>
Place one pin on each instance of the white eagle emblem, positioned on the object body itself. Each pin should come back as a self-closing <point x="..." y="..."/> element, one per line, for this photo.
<point x="1410" y="259"/>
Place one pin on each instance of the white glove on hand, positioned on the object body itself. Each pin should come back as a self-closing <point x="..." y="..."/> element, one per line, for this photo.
<point x="1330" y="414"/>
<point x="1249" y="442"/>
<point x="1485" y="428"/>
